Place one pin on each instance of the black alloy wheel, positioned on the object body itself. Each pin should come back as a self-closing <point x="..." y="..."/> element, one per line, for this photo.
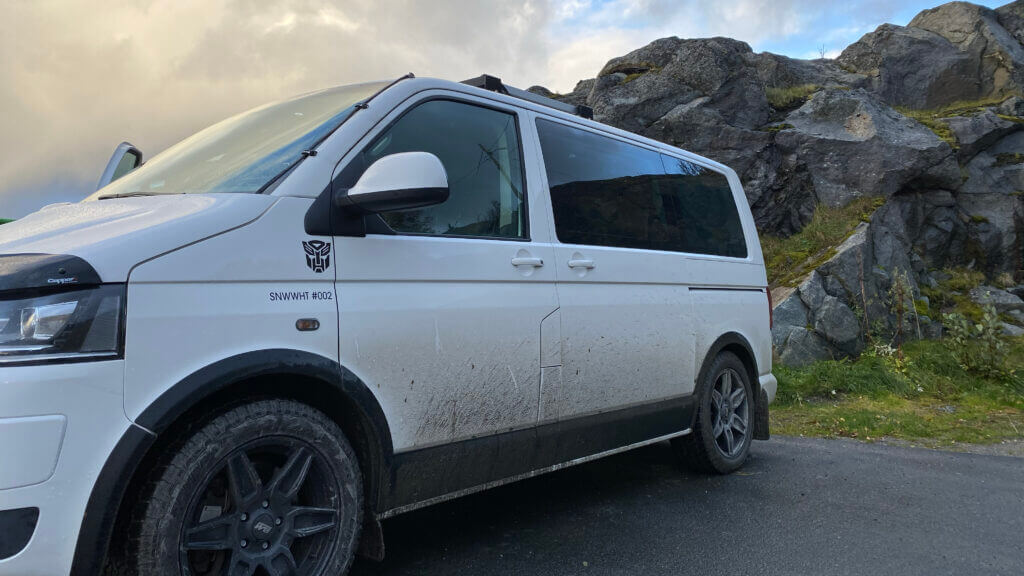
<point x="269" y="488"/>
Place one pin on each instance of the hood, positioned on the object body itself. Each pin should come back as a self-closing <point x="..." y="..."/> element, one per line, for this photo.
<point x="114" y="235"/>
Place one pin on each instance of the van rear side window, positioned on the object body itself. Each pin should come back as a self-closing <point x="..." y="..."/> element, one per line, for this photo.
<point x="606" y="192"/>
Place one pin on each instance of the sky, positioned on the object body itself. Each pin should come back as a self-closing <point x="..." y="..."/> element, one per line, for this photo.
<point x="77" y="77"/>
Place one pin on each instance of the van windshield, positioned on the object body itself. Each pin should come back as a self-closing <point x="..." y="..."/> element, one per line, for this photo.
<point x="247" y="152"/>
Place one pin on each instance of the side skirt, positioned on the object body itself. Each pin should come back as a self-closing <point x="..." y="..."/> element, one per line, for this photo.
<point x="431" y="475"/>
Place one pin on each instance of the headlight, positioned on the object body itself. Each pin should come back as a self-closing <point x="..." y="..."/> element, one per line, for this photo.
<point x="74" y="325"/>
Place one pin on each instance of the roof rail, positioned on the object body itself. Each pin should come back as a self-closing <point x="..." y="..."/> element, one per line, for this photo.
<point x="494" y="84"/>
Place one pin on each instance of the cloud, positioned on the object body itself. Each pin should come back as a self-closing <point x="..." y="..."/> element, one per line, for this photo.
<point x="79" y="76"/>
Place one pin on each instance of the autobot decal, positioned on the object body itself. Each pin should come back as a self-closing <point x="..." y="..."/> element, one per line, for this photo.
<point x="318" y="255"/>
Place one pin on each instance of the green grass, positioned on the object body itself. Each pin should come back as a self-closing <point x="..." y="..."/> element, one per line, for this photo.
<point x="776" y="128"/>
<point x="932" y="119"/>
<point x="952" y="294"/>
<point x="5" y="220"/>
<point x="789" y="97"/>
<point x="1009" y="158"/>
<point x="789" y="259"/>
<point x="932" y="399"/>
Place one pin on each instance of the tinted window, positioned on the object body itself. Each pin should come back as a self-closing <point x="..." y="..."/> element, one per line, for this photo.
<point x="606" y="192"/>
<point x="479" y="148"/>
<point x="699" y="203"/>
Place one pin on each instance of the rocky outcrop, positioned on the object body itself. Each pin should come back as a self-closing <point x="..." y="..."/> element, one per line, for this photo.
<point x="957" y="51"/>
<point x="954" y="200"/>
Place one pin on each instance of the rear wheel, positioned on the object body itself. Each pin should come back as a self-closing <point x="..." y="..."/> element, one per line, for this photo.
<point x="268" y="488"/>
<point x="723" y="427"/>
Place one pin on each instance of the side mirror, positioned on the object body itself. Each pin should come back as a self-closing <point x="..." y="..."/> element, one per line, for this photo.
<point x="397" y="182"/>
<point x="125" y="159"/>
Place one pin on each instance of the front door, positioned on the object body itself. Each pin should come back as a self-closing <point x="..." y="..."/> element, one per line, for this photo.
<point x="440" y="308"/>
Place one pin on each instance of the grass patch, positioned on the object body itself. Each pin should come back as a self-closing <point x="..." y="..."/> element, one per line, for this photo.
<point x="932" y="119"/>
<point x="931" y="398"/>
<point x="1008" y="158"/>
<point x="789" y="97"/>
<point x="951" y="295"/>
<point x="776" y="128"/>
<point x="789" y="259"/>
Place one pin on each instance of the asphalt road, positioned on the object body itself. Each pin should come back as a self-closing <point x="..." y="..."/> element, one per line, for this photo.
<point x="799" y="506"/>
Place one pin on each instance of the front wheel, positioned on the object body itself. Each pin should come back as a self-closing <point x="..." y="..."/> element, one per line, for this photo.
<point x="723" y="427"/>
<point x="271" y="487"/>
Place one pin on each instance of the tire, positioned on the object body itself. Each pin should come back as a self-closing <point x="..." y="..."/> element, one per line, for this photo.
<point x="712" y="447"/>
<point x="269" y="487"/>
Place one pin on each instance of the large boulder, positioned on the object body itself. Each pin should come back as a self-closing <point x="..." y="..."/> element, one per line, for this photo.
<point x="912" y="67"/>
<point x="955" y="52"/>
<point x="977" y="132"/>
<point x="1001" y="300"/>
<point x="854" y="146"/>
<point x="1011" y="16"/>
<point x="634" y="90"/>
<point x="978" y="32"/>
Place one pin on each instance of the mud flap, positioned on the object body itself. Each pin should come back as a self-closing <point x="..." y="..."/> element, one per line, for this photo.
<point x="761" y="417"/>
<point x="371" y="543"/>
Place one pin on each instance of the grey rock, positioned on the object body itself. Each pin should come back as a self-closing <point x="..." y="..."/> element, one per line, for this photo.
<point x="977" y="132"/>
<point x="1017" y="317"/>
<point x="634" y="90"/>
<point x="977" y="31"/>
<point x="1001" y="300"/>
<point x="776" y="70"/>
<point x="1011" y="330"/>
<point x="853" y="146"/>
<point x="541" y="91"/>
<point x="838" y="325"/>
<point x="930" y="330"/>
<point x="1011" y="16"/>
<point x="803" y="347"/>
<point x="1017" y="291"/>
<point x="812" y="291"/>
<point x="912" y="67"/>
<point x="1013" y="106"/>
<point x="788" y="314"/>
<point x="995" y="169"/>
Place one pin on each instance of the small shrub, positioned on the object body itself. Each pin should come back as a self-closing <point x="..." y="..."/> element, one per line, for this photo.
<point x="963" y="279"/>
<point x="1004" y="280"/>
<point x="978" y="347"/>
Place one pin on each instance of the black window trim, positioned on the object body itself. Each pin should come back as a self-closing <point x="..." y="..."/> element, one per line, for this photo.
<point x="358" y="149"/>
<point x="703" y="163"/>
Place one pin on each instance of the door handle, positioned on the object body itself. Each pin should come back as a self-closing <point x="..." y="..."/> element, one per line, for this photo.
<point x="581" y="263"/>
<point x="527" y="261"/>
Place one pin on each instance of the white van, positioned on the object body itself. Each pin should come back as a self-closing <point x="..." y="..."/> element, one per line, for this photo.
<point x="240" y="356"/>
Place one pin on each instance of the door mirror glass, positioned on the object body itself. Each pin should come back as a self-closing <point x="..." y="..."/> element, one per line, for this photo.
<point x="125" y="159"/>
<point x="400" y="181"/>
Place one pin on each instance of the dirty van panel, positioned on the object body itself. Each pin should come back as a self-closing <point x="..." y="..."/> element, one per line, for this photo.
<point x="441" y="310"/>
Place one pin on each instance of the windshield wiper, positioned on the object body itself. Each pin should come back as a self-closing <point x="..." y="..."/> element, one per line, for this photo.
<point x="127" y="195"/>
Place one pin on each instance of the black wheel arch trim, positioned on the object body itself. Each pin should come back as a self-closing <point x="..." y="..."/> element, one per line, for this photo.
<point x="113" y="481"/>
<point x="727" y="340"/>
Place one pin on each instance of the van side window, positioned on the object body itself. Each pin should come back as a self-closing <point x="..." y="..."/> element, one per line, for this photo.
<point x="479" y="148"/>
<point x="606" y="192"/>
<point x="699" y="202"/>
